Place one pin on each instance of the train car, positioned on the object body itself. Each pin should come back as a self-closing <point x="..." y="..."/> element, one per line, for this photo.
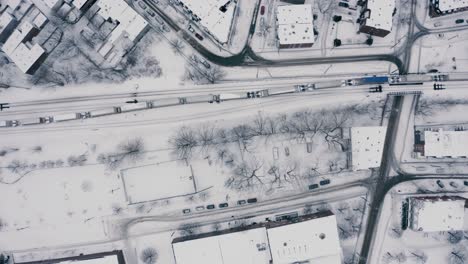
<point x="30" y="121"/>
<point x="304" y="87"/>
<point x="8" y="123"/>
<point x="67" y="117"/>
<point x="258" y="94"/>
<point x="282" y="91"/>
<point x="228" y="96"/>
<point x="199" y="99"/>
<point x="171" y="101"/>
<point x="374" y="80"/>
<point x="135" y="107"/>
<point x="103" y="112"/>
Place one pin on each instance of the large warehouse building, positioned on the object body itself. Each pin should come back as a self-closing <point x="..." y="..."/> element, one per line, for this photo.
<point x="442" y="144"/>
<point x="367" y="145"/>
<point x="216" y="16"/>
<point x="377" y="17"/>
<point x="442" y="7"/>
<point x="295" y="26"/>
<point x="314" y="239"/>
<point x="434" y="214"/>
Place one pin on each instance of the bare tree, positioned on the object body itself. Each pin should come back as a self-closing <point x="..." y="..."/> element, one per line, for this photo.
<point x="259" y="126"/>
<point x="335" y="122"/>
<point x="206" y="136"/>
<point x="17" y="166"/>
<point x="454" y="237"/>
<point x="457" y="255"/>
<point x="395" y="231"/>
<point x="245" y="175"/>
<point x="242" y="134"/>
<point x="215" y="74"/>
<point x="184" y="142"/>
<point x="283" y="176"/>
<point x="78" y="160"/>
<point x="7" y="151"/>
<point x="149" y="255"/>
<point x="3" y="224"/>
<point x="419" y="256"/>
<point x="177" y="46"/>
<point x="390" y="257"/>
<point x="188" y="229"/>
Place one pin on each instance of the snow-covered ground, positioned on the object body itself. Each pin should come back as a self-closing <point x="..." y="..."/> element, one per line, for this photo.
<point x="61" y="184"/>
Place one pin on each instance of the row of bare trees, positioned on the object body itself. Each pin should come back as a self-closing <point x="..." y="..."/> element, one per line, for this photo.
<point x="300" y="125"/>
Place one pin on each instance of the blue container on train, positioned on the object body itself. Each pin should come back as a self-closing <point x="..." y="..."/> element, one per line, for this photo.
<point x="375" y="80"/>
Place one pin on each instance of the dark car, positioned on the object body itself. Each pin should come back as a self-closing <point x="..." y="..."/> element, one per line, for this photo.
<point x="200" y="37"/>
<point x="313" y="186"/>
<point x="210" y="206"/>
<point x="325" y="182"/>
<point x="223" y="205"/>
<point x="343" y="4"/>
<point x="186" y="211"/>
<point x="262" y="10"/>
<point x="459" y="21"/>
<point x="252" y="200"/>
<point x="241" y="202"/>
<point x="433" y="71"/>
<point x="440" y="183"/>
<point x="465" y="183"/>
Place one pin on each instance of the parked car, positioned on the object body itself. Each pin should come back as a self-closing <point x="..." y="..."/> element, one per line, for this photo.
<point x="459" y="21"/>
<point x="151" y="13"/>
<point x="262" y="10"/>
<point x="142" y="5"/>
<point x="313" y="186"/>
<point x="210" y="206"/>
<point x="186" y="211"/>
<point x="465" y="183"/>
<point x="325" y="182"/>
<point x="200" y="208"/>
<point x="343" y="4"/>
<point x="205" y="63"/>
<point x="440" y="183"/>
<point x="437" y="24"/>
<point x="252" y="200"/>
<point x="241" y="202"/>
<point x="190" y="28"/>
<point x="223" y="205"/>
<point x="198" y="36"/>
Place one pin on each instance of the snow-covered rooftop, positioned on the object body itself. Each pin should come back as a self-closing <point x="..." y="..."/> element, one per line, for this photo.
<point x="23" y="56"/>
<point x="218" y="23"/>
<point x="5" y="20"/>
<point x="367" y="146"/>
<point x="112" y="259"/>
<point x="79" y="3"/>
<point x="381" y="14"/>
<point x="446" y="143"/>
<point x="295" y="24"/>
<point x="447" y="5"/>
<point x="433" y="214"/>
<point x="131" y="24"/>
<point x="315" y="241"/>
<point x="51" y="3"/>
<point x="246" y="247"/>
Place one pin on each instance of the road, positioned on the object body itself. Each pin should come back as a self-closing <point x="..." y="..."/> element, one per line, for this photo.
<point x="377" y="195"/>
